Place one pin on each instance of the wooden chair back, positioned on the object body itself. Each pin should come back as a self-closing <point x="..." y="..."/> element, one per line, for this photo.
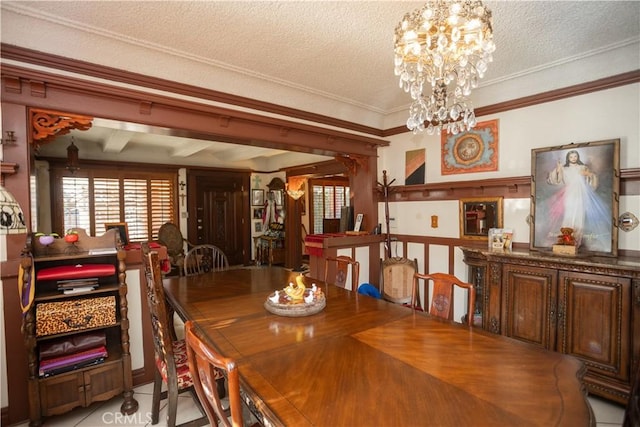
<point x="204" y="258"/>
<point x="442" y="294"/>
<point x="203" y="362"/>
<point x="162" y="337"/>
<point x="336" y="271"/>
<point x="397" y="279"/>
<point x="171" y="357"/>
<point x="170" y="236"/>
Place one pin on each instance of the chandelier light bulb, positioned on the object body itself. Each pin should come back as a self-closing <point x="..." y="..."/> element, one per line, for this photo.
<point x="448" y="43"/>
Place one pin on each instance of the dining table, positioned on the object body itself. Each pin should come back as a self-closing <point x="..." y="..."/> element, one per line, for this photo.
<point x="362" y="361"/>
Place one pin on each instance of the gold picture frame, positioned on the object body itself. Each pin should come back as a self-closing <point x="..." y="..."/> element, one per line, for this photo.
<point x="478" y="215"/>
<point x="576" y="186"/>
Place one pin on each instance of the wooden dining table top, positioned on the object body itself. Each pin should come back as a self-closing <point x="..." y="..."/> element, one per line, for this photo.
<point x="365" y="361"/>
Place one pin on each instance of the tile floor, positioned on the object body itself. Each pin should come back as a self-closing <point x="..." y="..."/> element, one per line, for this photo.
<point x="107" y="413"/>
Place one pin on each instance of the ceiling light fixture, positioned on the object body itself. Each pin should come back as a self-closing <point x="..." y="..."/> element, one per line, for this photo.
<point x="295" y="187"/>
<point x="446" y="45"/>
<point x="73" y="164"/>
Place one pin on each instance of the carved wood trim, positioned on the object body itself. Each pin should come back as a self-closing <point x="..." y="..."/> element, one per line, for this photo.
<point x="508" y="188"/>
<point x="46" y="125"/>
<point x="540" y="98"/>
<point x="353" y="162"/>
<point x="12" y="84"/>
<point x="67" y="64"/>
<point x="86" y="68"/>
<point x="238" y="127"/>
<point x="7" y="169"/>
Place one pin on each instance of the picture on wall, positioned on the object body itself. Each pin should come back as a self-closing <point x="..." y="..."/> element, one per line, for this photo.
<point x="257" y="197"/>
<point x="258" y="213"/>
<point x="475" y="150"/>
<point x="414" y="170"/>
<point x="576" y="186"/>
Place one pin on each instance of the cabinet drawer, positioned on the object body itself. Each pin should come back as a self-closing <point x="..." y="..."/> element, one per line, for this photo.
<point x="74" y="315"/>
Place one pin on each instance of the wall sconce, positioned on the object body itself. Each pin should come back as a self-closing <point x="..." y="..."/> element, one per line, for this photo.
<point x="73" y="163"/>
<point x="9" y="140"/>
<point x="11" y="215"/>
<point x="294" y="187"/>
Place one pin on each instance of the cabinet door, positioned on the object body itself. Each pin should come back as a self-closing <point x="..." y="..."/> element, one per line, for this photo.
<point x="529" y="306"/>
<point x="593" y="321"/>
<point x="61" y="393"/>
<point x="103" y="382"/>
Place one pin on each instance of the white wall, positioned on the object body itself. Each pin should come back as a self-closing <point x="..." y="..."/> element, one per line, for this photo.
<point x="603" y="115"/>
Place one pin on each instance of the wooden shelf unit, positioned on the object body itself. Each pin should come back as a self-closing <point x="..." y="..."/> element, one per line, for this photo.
<point x="60" y="393"/>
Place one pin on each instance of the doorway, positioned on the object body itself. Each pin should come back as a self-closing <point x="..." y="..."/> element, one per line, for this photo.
<point x="219" y="211"/>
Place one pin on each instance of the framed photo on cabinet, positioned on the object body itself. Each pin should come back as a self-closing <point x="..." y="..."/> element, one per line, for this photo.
<point x="122" y="229"/>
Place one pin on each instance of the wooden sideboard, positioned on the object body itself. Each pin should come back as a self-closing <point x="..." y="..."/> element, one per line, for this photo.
<point x="588" y="307"/>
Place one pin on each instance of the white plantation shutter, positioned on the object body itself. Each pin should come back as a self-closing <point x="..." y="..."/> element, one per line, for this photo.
<point x="318" y="208"/>
<point x="106" y="202"/>
<point x="136" y="208"/>
<point x="75" y="196"/>
<point x="162" y="204"/>
<point x="144" y="203"/>
<point x="327" y="202"/>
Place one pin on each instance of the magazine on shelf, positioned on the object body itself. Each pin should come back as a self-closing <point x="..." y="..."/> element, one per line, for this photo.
<point x="500" y="238"/>
<point x="77" y="286"/>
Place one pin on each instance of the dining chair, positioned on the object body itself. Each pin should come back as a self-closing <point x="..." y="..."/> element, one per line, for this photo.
<point x="336" y="271"/>
<point x="172" y="366"/>
<point x="205" y="364"/>
<point x="442" y="294"/>
<point x="203" y="259"/>
<point x="170" y="236"/>
<point x="397" y="279"/>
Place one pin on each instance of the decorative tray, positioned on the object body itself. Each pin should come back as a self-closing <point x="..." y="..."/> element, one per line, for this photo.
<point x="296" y="300"/>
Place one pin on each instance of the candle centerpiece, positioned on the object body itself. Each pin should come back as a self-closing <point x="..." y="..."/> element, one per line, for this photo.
<point x="296" y="299"/>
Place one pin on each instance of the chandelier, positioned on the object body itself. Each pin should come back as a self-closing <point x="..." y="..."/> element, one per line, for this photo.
<point x="447" y="46"/>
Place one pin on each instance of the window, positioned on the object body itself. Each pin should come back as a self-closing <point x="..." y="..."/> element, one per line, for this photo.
<point x="144" y="201"/>
<point x="329" y="196"/>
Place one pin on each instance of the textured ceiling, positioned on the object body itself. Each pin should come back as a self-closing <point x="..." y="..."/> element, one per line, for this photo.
<point x="331" y="58"/>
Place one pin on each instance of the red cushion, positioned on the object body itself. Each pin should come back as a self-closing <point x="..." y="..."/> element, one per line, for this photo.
<point x="182" y="366"/>
<point x="79" y="271"/>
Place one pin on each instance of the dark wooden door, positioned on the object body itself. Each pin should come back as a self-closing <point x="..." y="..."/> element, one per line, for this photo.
<point x="529" y="312"/>
<point x="217" y="213"/>
<point x="593" y="319"/>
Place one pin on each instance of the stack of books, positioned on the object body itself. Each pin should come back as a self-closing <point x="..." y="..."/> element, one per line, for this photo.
<point x="76" y="286"/>
<point x="74" y="352"/>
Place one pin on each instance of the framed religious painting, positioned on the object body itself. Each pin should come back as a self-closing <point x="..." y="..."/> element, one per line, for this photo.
<point x="475" y="150"/>
<point x="574" y="198"/>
